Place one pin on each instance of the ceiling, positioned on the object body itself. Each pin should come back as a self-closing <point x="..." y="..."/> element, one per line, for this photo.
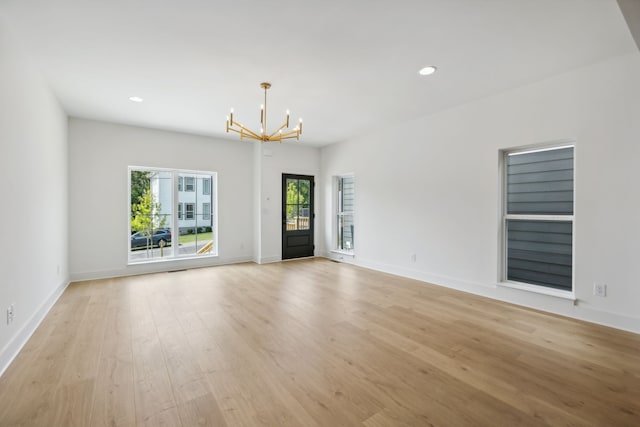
<point x="345" y="66"/>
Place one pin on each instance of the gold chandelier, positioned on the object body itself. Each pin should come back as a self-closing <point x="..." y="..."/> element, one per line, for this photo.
<point x="280" y="133"/>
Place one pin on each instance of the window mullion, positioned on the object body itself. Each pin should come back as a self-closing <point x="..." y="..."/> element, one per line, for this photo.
<point x="540" y="217"/>
<point x="175" y="241"/>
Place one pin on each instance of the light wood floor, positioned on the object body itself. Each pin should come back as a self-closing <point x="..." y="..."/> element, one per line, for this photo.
<point x="312" y="343"/>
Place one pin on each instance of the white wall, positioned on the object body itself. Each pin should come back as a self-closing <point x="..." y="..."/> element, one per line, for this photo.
<point x="277" y="159"/>
<point x="431" y="187"/>
<point x="99" y="156"/>
<point x="33" y="190"/>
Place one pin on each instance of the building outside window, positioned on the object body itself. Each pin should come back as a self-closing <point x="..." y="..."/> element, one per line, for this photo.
<point x="189" y="211"/>
<point x="189" y="183"/>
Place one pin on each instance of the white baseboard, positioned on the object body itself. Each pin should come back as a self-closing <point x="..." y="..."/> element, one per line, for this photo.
<point x="270" y="259"/>
<point x="13" y="347"/>
<point x="579" y="310"/>
<point x="157" y="267"/>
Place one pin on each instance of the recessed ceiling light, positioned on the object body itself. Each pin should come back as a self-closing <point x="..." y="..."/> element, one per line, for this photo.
<point x="135" y="99"/>
<point x="427" y="71"/>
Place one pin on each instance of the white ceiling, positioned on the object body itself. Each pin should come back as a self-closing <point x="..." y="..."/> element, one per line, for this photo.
<point x="343" y="65"/>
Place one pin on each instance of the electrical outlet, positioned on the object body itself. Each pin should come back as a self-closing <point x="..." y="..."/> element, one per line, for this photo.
<point x="10" y="314"/>
<point x="413" y="257"/>
<point x="600" y="289"/>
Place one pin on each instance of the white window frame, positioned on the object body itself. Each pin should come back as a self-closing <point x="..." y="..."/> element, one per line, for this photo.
<point x="175" y="221"/>
<point x="504" y="217"/>
<point x="339" y="213"/>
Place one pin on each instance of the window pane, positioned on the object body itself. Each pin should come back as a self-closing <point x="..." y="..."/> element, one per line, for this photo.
<point x="540" y="182"/>
<point x="292" y="191"/>
<point x="347" y="194"/>
<point x="345" y="232"/>
<point x="292" y="214"/>
<point x="196" y="232"/>
<point x="303" y="217"/>
<point x="304" y="187"/>
<point x="540" y="252"/>
<point x="345" y="207"/>
<point x="151" y="214"/>
<point x="206" y="211"/>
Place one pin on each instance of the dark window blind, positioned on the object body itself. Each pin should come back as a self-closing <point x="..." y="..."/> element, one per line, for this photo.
<point x="539" y="251"/>
<point x="540" y="183"/>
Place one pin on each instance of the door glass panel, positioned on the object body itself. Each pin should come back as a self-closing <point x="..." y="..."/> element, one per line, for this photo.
<point x="292" y="224"/>
<point x="292" y="204"/>
<point x="303" y="217"/>
<point x="297" y="204"/>
<point x="303" y="196"/>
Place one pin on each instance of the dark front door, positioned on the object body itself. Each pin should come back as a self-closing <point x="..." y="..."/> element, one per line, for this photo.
<point x="297" y="216"/>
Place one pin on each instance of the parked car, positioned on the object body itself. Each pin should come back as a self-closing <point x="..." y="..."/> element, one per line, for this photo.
<point x="139" y="239"/>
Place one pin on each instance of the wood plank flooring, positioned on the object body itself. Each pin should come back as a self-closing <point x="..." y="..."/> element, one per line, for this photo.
<point x="312" y="343"/>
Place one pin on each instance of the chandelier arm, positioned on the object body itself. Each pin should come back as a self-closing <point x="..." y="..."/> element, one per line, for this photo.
<point x="286" y="137"/>
<point x="245" y="130"/>
<point x="291" y="132"/>
<point x="278" y="130"/>
<point x="242" y="133"/>
<point x="246" y="135"/>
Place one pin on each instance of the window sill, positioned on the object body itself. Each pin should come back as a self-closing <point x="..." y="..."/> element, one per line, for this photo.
<point x="160" y="260"/>
<point x="568" y="295"/>
<point x="340" y="252"/>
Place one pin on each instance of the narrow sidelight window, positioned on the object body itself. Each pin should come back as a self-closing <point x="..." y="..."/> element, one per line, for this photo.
<point x="345" y="210"/>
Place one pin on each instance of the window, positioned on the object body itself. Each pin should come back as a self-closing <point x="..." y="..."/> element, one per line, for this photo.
<point x="189" y="183"/>
<point x="190" y="210"/>
<point x="345" y="211"/>
<point x="157" y="221"/>
<point x="206" y="186"/>
<point x="538" y="217"/>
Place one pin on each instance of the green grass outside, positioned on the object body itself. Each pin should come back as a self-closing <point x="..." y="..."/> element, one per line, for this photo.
<point x="202" y="237"/>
